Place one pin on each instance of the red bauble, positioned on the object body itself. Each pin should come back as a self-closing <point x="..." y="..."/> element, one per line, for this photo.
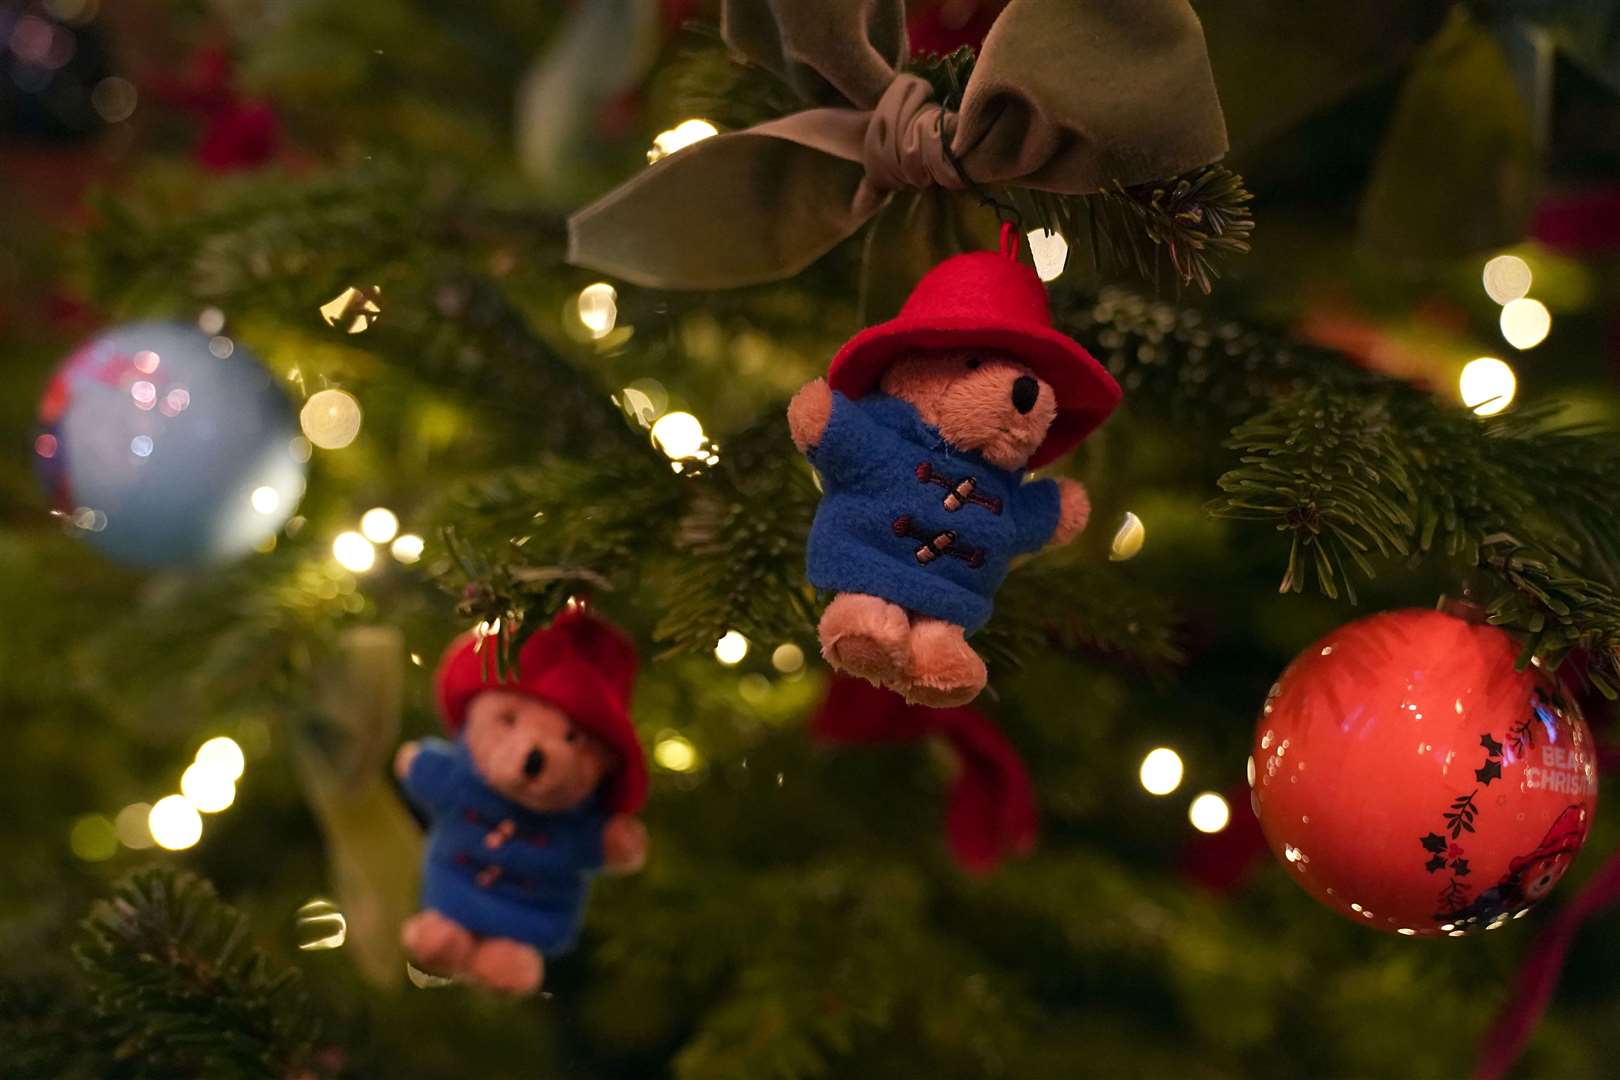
<point x="1413" y="781"/>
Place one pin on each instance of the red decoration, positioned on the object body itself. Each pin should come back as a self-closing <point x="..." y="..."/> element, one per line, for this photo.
<point x="1413" y="781"/>
<point x="943" y="26"/>
<point x="239" y="132"/>
<point x="991" y="811"/>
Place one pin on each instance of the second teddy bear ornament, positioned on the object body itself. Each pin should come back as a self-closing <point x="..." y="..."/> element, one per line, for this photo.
<point x="922" y="432"/>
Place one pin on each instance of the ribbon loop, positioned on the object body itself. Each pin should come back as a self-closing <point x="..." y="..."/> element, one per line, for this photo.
<point x="905" y="144"/>
<point x="1067" y="96"/>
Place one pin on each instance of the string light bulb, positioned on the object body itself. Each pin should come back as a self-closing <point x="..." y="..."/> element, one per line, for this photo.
<point x="1128" y="539"/>
<point x="407" y="548"/>
<point x="174" y="823"/>
<point x="1161" y="771"/>
<point x="1487" y="385"/>
<point x="330" y="419"/>
<point x="679" y="435"/>
<point x="731" y="648"/>
<point x="206" y="788"/>
<point x="679" y="137"/>
<point x="222" y="755"/>
<point x="675" y="753"/>
<point x="598" y="308"/>
<point x="1050" y="252"/>
<point x="379" y="525"/>
<point x="1506" y="278"/>
<point x="354" y="552"/>
<point x="1209" y="813"/>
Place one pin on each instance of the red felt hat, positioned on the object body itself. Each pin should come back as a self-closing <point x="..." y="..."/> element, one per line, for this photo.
<point x="987" y="300"/>
<point x="581" y="664"/>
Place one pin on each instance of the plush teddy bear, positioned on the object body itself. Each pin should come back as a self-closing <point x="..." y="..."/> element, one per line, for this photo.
<point x="534" y="796"/>
<point x="921" y="433"/>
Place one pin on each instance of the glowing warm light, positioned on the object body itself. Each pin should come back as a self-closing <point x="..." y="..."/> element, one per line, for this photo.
<point x="407" y="547"/>
<point x="93" y="838"/>
<point x="174" y="823"/>
<point x="130" y="824"/>
<point x="1050" y="252"/>
<point x="787" y="658"/>
<point x="354" y="552"/>
<point x="223" y="756"/>
<point x="1209" y="813"/>
<point x="1487" y="385"/>
<point x="1525" y="323"/>
<point x="175" y="401"/>
<point x="679" y="435"/>
<point x="45" y="446"/>
<point x="1506" y="278"/>
<point x="330" y="419"/>
<point x="207" y="789"/>
<point x="265" y="499"/>
<point x="221" y="347"/>
<point x="731" y="648"/>
<point x="146" y="361"/>
<point x="1128" y="539"/>
<point x="679" y="137"/>
<point x="210" y="320"/>
<point x="114" y="99"/>
<point x="141" y="446"/>
<point x="354" y="310"/>
<point x="379" y="525"/>
<point x="1161" y="771"/>
<point x="675" y="753"/>
<point x="144" y="393"/>
<point x="321" y="926"/>
<point x="598" y="308"/>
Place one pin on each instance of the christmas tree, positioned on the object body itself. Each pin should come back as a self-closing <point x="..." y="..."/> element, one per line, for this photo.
<point x="1367" y="361"/>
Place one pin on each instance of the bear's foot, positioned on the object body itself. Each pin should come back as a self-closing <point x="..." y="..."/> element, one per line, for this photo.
<point x="507" y="967"/>
<point x="865" y="636"/>
<point x="943" y="670"/>
<point x="437" y="944"/>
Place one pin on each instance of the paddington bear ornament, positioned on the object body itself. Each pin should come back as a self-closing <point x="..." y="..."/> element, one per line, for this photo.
<point x="922" y="432"/>
<point x="535" y="795"/>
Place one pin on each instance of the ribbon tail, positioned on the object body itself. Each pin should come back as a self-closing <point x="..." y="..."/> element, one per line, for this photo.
<point x="991" y="812"/>
<point x="736" y="209"/>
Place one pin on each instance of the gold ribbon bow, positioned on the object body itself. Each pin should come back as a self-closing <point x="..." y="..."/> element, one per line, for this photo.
<point x="1066" y="96"/>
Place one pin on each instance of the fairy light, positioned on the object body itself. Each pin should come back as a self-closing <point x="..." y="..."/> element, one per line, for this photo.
<point x="787" y="658"/>
<point x="731" y="648"/>
<point x="1050" y="252"/>
<point x="407" y="548"/>
<point x="354" y="552"/>
<point x="353" y="310"/>
<point x="265" y="499"/>
<point x="1128" y="539"/>
<point x="207" y="788"/>
<point x="379" y="525"/>
<point x="679" y="137"/>
<point x="679" y="435"/>
<point x="174" y="823"/>
<point x="1161" y="771"/>
<point x="675" y="753"/>
<point x="131" y="827"/>
<point x="93" y="838"/>
<point x="1209" y="813"/>
<point x="222" y="755"/>
<point x="598" y="308"/>
<point x="1506" y="278"/>
<point x="1487" y="385"/>
<point x="1525" y="323"/>
<point x="330" y="419"/>
<point x="324" y="926"/>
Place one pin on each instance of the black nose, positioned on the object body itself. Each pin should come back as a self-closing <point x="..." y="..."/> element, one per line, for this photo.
<point x="1025" y="391"/>
<point x="533" y="764"/>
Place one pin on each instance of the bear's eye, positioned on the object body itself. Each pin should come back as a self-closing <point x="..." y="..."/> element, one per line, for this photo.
<point x="508" y="717"/>
<point x="973" y="363"/>
<point x="573" y="734"/>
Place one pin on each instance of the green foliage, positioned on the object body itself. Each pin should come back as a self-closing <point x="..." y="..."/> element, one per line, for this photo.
<point x="181" y="990"/>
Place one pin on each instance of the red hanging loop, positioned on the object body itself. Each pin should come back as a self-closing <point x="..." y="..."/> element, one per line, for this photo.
<point x="1009" y="239"/>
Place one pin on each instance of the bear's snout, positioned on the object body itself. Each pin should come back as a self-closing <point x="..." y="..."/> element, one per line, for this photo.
<point x="534" y="763"/>
<point x="1025" y="391"/>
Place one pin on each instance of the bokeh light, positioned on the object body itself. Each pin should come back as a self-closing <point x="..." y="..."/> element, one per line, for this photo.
<point x="379" y="525"/>
<point x="1128" y="539"/>
<point x="1050" y="252"/>
<point x="1525" y="323"/>
<point x="787" y="658"/>
<point x="321" y="926"/>
<point x="174" y="823"/>
<point x="680" y="136"/>
<point x="354" y="552"/>
<point x="675" y="753"/>
<point x="130" y="825"/>
<point x="1507" y="278"/>
<point x="1487" y="385"/>
<point x="206" y="788"/>
<point x="93" y="838"/>
<point x="731" y="648"/>
<point x="330" y="419"/>
<point x="598" y="308"/>
<point x="1209" y="813"/>
<point x="408" y="547"/>
<point x="1161" y="771"/>
<point x="679" y="435"/>
<point x="354" y="310"/>
<point x="265" y="499"/>
<point x="222" y="755"/>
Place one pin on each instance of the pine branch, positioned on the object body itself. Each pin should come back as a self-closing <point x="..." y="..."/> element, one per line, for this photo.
<point x="183" y="992"/>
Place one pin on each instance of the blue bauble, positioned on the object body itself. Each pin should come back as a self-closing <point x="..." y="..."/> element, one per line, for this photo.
<point x="161" y="452"/>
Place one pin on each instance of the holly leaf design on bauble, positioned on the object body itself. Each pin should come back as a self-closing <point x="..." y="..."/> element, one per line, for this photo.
<point x="1492" y="747"/>
<point x="1436" y="863"/>
<point x="1459" y="867"/>
<point x="1433" y="842"/>
<point x="1491" y="770"/>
